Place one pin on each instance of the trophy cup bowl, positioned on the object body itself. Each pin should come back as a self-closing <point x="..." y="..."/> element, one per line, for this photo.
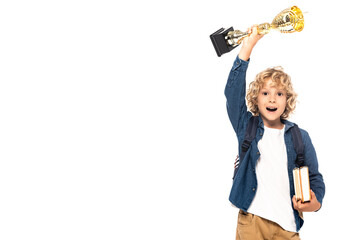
<point x="287" y="21"/>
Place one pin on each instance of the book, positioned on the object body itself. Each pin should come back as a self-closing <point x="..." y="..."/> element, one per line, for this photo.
<point x="302" y="184"/>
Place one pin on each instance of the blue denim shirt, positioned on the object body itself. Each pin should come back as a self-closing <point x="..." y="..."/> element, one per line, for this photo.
<point x="245" y="183"/>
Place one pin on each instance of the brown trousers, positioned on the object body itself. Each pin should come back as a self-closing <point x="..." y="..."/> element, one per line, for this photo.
<point x="252" y="227"/>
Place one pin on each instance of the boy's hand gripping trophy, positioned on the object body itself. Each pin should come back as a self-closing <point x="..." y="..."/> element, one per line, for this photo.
<point x="288" y="21"/>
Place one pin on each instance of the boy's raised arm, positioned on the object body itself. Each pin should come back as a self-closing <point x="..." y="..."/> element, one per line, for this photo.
<point x="235" y="90"/>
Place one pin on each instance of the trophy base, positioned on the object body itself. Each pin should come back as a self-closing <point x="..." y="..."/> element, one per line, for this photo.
<point x="219" y="42"/>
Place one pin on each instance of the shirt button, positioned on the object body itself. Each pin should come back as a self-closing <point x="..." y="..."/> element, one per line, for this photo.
<point x="253" y="189"/>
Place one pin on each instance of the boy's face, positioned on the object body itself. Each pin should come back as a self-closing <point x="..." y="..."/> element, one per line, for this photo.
<point x="271" y="103"/>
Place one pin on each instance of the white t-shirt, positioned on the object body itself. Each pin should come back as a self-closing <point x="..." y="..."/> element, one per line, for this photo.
<point x="272" y="199"/>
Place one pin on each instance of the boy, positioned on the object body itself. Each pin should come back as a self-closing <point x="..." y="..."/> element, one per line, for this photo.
<point x="263" y="185"/>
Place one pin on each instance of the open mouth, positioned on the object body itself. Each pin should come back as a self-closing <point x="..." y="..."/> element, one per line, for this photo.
<point x="271" y="109"/>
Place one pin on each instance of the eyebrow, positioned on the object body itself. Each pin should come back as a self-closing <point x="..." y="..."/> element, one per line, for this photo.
<point x="267" y="89"/>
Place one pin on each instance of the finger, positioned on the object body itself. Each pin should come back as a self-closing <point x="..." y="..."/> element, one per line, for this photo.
<point x="294" y="202"/>
<point x="254" y="30"/>
<point x="312" y="193"/>
<point x="300" y="205"/>
<point x="313" y="196"/>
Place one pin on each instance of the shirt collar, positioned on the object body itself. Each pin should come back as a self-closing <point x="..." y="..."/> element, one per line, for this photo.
<point x="287" y="123"/>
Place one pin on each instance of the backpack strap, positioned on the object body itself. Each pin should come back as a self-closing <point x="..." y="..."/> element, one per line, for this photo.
<point x="248" y="138"/>
<point x="249" y="135"/>
<point x="298" y="145"/>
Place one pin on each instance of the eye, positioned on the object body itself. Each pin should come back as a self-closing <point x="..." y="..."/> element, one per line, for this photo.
<point x="265" y="93"/>
<point x="280" y="94"/>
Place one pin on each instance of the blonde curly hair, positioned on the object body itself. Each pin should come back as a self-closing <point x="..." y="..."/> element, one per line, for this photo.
<point x="280" y="80"/>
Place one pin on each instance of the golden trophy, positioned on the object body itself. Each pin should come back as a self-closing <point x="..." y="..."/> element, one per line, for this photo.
<point x="287" y="21"/>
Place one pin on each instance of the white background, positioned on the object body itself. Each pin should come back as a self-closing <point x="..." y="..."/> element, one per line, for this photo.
<point x="113" y="122"/>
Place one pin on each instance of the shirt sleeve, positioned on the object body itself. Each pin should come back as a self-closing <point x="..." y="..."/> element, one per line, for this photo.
<point x="316" y="179"/>
<point x="235" y="92"/>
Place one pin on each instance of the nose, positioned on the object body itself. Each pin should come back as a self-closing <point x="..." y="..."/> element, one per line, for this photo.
<point x="272" y="99"/>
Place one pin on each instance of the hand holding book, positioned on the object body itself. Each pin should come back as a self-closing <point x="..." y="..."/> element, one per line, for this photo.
<point x="311" y="206"/>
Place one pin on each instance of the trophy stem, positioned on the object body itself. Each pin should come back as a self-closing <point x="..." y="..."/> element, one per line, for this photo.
<point x="264" y="28"/>
<point x="234" y="38"/>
